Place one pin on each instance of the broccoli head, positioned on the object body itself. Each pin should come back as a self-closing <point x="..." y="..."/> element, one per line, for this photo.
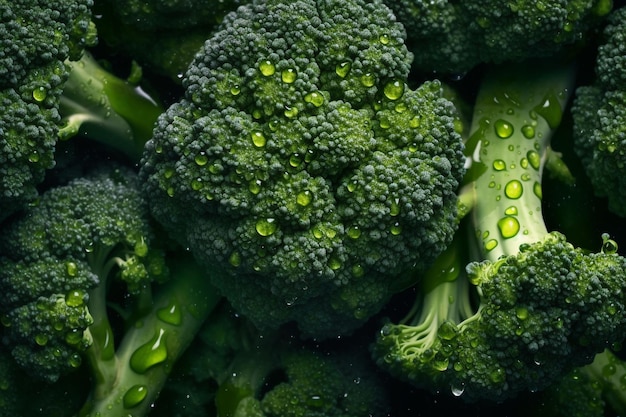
<point x="36" y="37"/>
<point x="538" y="306"/>
<point x="599" y="113"/>
<point x="455" y="36"/>
<point x="301" y="163"/>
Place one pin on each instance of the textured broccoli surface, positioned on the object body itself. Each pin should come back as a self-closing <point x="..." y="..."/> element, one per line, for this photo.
<point x="542" y="306"/>
<point x="599" y="112"/>
<point x="452" y="37"/>
<point x="301" y="164"/>
<point x="36" y="37"/>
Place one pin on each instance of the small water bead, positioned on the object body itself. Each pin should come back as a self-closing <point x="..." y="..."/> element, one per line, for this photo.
<point x="534" y="159"/>
<point x="609" y="246"/>
<point x="235" y="89"/>
<point x="34" y="157"/>
<point x="394" y="90"/>
<point x="521" y="313"/>
<point x="71" y="268"/>
<point x="342" y="69"/>
<point x="357" y="271"/>
<point x="150" y="353"/>
<point x="334" y="263"/>
<point x="528" y="131"/>
<point x="508" y="226"/>
<point x="266" y="227"/>
<point x="295" y="160"/>
<point x="384" y="39"/>
<point x="415" y="122"/>
<point x="258" y="138"/>
<point x="171" y="314"/>
<point x="267" y="68"/>
<point x="41" y="339"/>
<point x="537" y="190"/>
<point x="511" y="211"/>
<point x="514" y="189"/>
<point x="290" y="112"/>
<point x="75" y="298"/>
<point x="288" y="75"/>
<point x="201" y="159"/>
<point x="40" y="94"/>
<point x="499" y="165"/>
<point x="197" y="184"/>
<point x="315" y="98"/>
<point x="254" y="186"/>
<point x="304" y="198"/>
<point x="491" y="244"/>
<point x="368" y="79"/>
<point x="354" y="232"/>
<point x="550" y="110"/>
<point x="235" y="259"/>
<point x="503" y="129"/>
<point x="396" y="229"/>
<point x="135" y="396"/>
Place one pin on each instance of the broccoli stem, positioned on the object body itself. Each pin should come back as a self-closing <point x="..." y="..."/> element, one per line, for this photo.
<point x="128" y="381"/>
<point x="516" y="114"/>
<point x="106" y="108"/>
<point x="609" y="372"/>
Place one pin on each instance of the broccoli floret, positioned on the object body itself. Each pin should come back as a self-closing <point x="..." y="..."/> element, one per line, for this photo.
<point x="544" y="306"/>
<point x="301" y="163"/>
<point x="247" y="372"/>
<point x="599" y="113"/>
<point x="79" y="250"/>
<point x="36" y="37"/>
<point x="163" y="35"/>
<point x="455" y="36"/>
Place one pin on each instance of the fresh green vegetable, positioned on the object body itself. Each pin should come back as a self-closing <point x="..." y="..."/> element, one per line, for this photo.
<point x="301" y="164"/>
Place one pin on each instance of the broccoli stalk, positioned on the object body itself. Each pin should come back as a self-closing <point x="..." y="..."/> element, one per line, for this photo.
<point x="544" y="306"/>
<point x="106" y="108"/>
<point x="129" y="378"/>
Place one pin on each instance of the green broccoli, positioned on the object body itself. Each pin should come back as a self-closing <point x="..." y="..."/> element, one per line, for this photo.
<point x="78" y="263"/>
<point x="301" y="164"/>
<point x="49" y="88"/>
<point x="452" y="37"/>
<point x="163" y="35"/>
<point x="542" y="306"/>
<point x="36" y="37"/>
<point x="246" y="372"/>
<point x="599" y="112"/>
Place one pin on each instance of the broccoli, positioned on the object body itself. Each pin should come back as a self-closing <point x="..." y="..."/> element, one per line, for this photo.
<point x="599" y="112"/>
<point x="36" y="37"/>
<point x="82" y="258"/>
<point x="50" y="88"/>
<point x="247" y="372"/>
<point x="163" y="35"/>
<point x="301" y="164"/>
<point x="538" y="306"/>
<point x="452" y="37"/>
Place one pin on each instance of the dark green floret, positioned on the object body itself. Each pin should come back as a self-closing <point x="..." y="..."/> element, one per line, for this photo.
<point x="301" y="163"/>
<point x="537" y="306"/>
<point x="452" y="37"/>
<point x="599" y="112"/>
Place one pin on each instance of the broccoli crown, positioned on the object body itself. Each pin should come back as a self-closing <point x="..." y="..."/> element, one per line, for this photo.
<point x="543" y="311"/>
<point x="35" y="38"/>
<point x="59" y="250"/>
<point x="455" y="36"/>
<point x="599" y="112"/>
<point x="300" y="162"/>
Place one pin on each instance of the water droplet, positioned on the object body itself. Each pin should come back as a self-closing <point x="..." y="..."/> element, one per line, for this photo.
<point x="71" y="268"/>
<point x="295" y="160"/>
<point x="267" y="68"/>
<point x="197" y="184"/>
<point x="503" y="129"/>
<point x="384" y="39"/>
<point x="255" y="186"/>
<point x="134" y="396"/>
<point x="528" y="131"/>
<point x="521" y="313"/>
<point x="334" y="263"/>
<point x="357" y="271"/>
<point x="491" y="244"/>
<point x="315" y="98"/>
<point x="171" y="314"/>
<point x="514" y="189"/>
<point x="304" y="198"/>
<point x="499" y="165"/>
<point x="41" y="339"/>
<point x="415" y="122"/>
<point x="550" y="110"/>
<point x="509" y="227"/>
<point x="291" y="112"/>
<point x="396" y="229"/>
<point x="235" y="89"/>
<point x="511" y="211"/>
<point x="447" y="330"/>
<point x="537" y="190"/>
<point x="394" y="90"/>
<point x="289" y="75"/>
<point x="457" y="391"/>
<point x="258" y="138"/>
<point x="368" y="79"/>
<point x="150" y="353"/>
<point x="266" y="227"/>
<point x="534" y="159"/>
<point x="75" y="298"/>
<point x="33" y="157"/>
<point x="342" y="69"/>
<point x="201" y="159"/>
<point x="235" y="259"/>
<point x="354" y="232"/>
<point x="40" y="94"/>
<point x="609" y="246"/>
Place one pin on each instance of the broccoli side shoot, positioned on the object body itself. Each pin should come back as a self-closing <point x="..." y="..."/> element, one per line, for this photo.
<point x="452" y="37"/>
<point x="544" y="306"/>
<point x="301" y="163"/>
<point x="599" y="112"/>
<point x="36" y="37"/>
